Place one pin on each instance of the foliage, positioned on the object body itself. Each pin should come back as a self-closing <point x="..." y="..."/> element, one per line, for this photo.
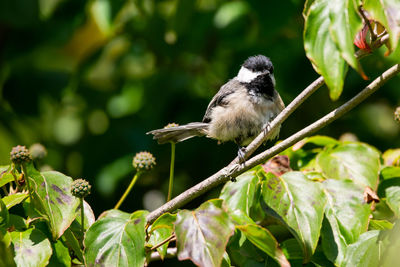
<point x="290" y="217"/>
<point x="337" y="204"/>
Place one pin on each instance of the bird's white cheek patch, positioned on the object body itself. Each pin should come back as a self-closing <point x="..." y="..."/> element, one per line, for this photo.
<point x="246" y="76"/>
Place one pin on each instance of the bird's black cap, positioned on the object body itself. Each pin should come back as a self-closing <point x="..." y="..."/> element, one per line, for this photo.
<point x="258" y="63"/>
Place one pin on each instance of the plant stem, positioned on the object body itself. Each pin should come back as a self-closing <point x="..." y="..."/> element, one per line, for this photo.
<point x="171" y="238"/>
<point x="233" y="170"/>
<point x="171" y="172"/>
<point x="82" y="217"/>
<point x="128" y="189"/>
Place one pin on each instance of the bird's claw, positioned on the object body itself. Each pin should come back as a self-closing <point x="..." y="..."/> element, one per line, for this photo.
<point x="241" y="154"/>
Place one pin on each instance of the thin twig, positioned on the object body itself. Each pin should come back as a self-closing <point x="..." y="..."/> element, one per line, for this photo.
<point x="367" y="22"/>
<point x="231" y="171"/>
<point x="171" y="238"/>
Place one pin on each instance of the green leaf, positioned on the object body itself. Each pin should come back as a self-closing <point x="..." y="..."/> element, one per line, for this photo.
<point x="6" y="251"/>
<point x="265" y="241"/>
<point x="53" y="199"/>
<point x="239" y="195"/>
<point x="355" y="161"/>
<point x="60" y="256"/>
<point x="243" y="253"/>
<point x="89" y="220"/>
<point x="347" y="217"/>
<point x="299" y="203"/>
<point x="387" y="13"/>
<point x="117" y="240"/>
<point x="391" y="157"/>
<point x="380" y="225"/>
<point x="345" y="24"/>
<point x="5" y="175"/>
<point x="4" y="215"/>
<point x="73" y="243"/>
<point x="292" y="249"/>
<point x="31" y="247"/>
<point x="202" y="234"/>
<point x="160" y="230"/>
<point x="14" y="199"/>
<point x="393" y="199"/>
<point x="322" y="50"/>
<point x="389" y="176"/>
<point x="320" y="140"/>
<point x="365" y="252"/>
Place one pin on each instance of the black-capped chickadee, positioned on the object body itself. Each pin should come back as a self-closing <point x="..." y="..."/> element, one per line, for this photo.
<point x="239" y="111"/>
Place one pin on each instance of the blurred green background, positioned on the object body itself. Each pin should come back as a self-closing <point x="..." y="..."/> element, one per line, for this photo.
<point x="88" y="79"/>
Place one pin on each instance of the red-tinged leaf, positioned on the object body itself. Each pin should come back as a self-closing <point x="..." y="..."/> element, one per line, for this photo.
<point x="202" y="234"/>
<point x="51" y="196"/>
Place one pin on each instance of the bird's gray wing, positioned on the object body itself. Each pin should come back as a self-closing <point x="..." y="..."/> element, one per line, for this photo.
<point x="219" y="99"/>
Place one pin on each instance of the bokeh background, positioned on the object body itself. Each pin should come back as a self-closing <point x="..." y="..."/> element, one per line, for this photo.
<point x="88" y="79"/>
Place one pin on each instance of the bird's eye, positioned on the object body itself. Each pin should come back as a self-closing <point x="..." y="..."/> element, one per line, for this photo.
<point x="271" y="69"/>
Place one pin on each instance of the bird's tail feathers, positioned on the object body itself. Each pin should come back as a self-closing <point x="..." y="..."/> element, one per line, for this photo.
<point x="180" y="133"/>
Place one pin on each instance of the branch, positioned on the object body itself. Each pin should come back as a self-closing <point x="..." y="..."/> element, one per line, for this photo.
<point x="233" y="170"/>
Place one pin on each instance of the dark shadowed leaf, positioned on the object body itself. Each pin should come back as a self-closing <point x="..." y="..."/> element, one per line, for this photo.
<point x="243" y="253"/>
<point x="299" y="203"/>
<point x="73" y="244"/>
<point x="117" y="240"/>
<point x="355" y="161"/>
<point x="365" y="252"/>
<point x="389" y="176"/>
<point x="4" y="215"/>
<point x="160" y="230"/>
<point x="53" y="199"/>
<point x="345" y="23"/>
<point x="265" y="241"/>
<point x="347" y="217"/>
<point x="322" y="50"/>
<point x="239" y="195"/>
<point x="31" y="247"/>
<point x="202" y="234"/>
<point x="292" y="249"/>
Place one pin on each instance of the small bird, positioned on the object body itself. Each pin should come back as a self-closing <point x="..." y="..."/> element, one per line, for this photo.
<point x="241" y="109"/>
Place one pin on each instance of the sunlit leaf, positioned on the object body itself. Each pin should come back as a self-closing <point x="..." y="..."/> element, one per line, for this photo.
<point x="299" y="203"/>
<point x="365" y="252"/>
<point x="354" y="161"/>
<point x="239" y="195"/>
<point x="14" y="199"/>
<point x="117" y="241"/>
<point x="5" y="175"/>
<point x="4" y="215"/>
<point x="347" y="217"/>
<point x="393" y="199"/>
<point x="322" y="50"/>
<point x="345" y="23"/>
<point x="34" y="243"/>
<point x="202" y="234"/>
<point x="53" y="199"/>
<point x="391" y="157"/>
<point x="265" y="241"/>
<point x="161" y="229"/>
<point x="380" y="225"/>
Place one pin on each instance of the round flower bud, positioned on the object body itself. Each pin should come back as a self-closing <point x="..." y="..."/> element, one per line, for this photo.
<point x="144" y="161"/>
<point x="397" y="114"/>
<point x="80" y="188"/>
<point x="171" y="125"/>
<point x="38" y="151"/>
<point x="20" y="154"/>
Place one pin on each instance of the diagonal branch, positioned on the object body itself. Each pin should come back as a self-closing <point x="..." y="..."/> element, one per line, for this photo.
<point x="233" y="170"/>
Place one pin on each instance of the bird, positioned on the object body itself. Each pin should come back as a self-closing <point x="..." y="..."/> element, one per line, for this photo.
<point x="238" y="112"/>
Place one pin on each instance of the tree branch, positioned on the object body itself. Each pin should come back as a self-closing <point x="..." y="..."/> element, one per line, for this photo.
<point x="171" y="252"/>
<point x="234" y="170"/>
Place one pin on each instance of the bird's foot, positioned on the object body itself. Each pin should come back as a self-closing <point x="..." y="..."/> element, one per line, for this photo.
<point x="241" y="153"/>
